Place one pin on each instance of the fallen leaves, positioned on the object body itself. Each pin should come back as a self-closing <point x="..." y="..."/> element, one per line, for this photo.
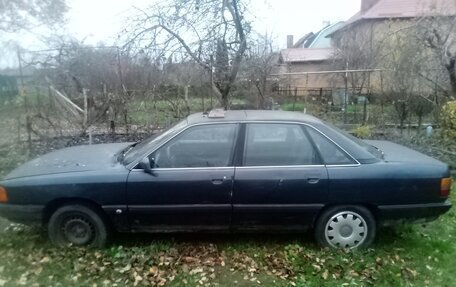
<point x="278" y="265"/>
<point x="45" y="260"/>
<point x="409" y="273"/>
<point x="325" y="275"/>
<point x="125" y="269"/>
<point x="153" y="270"/>
<point x="205" y="264"/>
<point x="243" y="262"/>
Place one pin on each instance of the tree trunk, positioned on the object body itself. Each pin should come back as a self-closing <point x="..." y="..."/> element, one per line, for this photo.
<point x="225" y="101"/>
<point x="420" y="120"/>
<point x="403" y="116"/>
<point x="451" y="67"/>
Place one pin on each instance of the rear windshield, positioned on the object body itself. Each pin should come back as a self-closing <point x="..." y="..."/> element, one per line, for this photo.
<point x="359" y="149"/>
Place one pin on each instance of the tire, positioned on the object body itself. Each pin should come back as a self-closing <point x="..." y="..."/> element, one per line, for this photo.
<point x="351" y="227"/>
<point x="77" y="225"/>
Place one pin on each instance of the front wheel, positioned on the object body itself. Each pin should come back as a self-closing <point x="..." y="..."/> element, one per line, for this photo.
<point x="350" y="227"/>
<point x="77" y="225"/>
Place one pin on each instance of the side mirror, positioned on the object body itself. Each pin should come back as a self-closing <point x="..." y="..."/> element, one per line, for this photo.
<point x="146" y="164"/>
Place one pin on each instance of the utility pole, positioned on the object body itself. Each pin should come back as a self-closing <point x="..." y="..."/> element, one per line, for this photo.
<point x="212" y="80"/>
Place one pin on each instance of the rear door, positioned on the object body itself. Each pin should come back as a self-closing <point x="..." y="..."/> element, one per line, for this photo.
<point x="281" y="182"/>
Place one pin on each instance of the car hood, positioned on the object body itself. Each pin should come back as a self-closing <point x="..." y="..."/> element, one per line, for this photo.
<point x="397" y="153"/>
<point x="72" y="159"/>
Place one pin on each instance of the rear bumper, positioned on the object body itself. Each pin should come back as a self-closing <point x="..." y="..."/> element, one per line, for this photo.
<point x="27" y="214"/>
<point x="412" y="212"/>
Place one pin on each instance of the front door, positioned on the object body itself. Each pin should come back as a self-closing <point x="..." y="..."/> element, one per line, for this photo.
<point x="282" y="183"/>
<point x="190" y="185"/>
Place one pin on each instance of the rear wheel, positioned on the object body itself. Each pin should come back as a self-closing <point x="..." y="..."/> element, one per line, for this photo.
<point x="349" y="227"/>
<point x="77" y="225"/>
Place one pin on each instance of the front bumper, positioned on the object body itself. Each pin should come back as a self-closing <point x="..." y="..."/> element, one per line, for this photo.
<point x="412" y="212"/>
<point x="27" y="214"/>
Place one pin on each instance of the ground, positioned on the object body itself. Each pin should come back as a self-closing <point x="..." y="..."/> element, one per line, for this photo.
<point x="403" y="255"/>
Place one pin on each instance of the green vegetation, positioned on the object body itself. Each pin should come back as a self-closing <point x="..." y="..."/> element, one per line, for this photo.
<point x="363" y="132"/>
<point x="298" y="106"/>
<point x="449" y="120"/>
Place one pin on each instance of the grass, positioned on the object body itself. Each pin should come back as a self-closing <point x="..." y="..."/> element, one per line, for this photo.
<point x="298" y="106"/>
<point x="411" y="255"/>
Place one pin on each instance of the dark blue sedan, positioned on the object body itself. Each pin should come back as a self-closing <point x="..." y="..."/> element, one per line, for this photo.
<point x="238" y="171"/>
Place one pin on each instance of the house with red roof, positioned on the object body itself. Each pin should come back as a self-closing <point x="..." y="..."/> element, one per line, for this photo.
<point x="376" y="13"/>
<point x="301" y="60"/>
<point x="308" y="67"/>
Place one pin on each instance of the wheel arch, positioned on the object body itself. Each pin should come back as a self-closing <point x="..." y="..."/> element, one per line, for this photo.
<point x="55" y="204"/>
<point x="373" y="209"/>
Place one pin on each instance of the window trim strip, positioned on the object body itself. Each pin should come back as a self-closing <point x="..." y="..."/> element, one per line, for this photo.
<point x="239" y="123"/>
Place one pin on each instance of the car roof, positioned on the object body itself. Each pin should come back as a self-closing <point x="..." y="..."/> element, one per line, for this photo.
<point x="250" y="115"/>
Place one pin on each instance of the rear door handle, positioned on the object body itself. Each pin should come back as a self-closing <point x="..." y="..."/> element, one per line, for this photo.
<point x="219" y="181"/>
<point x="313" y="180"/>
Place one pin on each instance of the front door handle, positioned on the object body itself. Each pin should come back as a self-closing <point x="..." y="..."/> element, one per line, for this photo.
<point x="313" y="180"/>
<point x="219" y="181"/>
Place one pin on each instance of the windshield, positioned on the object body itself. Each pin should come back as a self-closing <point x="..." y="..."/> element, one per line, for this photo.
<point x="143" y="147"/>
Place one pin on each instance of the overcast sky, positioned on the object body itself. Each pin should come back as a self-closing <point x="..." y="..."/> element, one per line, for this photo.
<point x="101" y="20"/>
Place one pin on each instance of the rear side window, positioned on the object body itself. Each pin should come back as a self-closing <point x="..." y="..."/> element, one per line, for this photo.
<point x="278" y="145"/>
<point x="330" y="152"/>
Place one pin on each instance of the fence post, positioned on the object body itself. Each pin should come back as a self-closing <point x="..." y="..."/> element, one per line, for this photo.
<point x="202" y="98"/>
<point x="307" y="93"/>
<point x="346" y="95"/>
<point x="84" y="122"/>
<point x="295" y="97"/>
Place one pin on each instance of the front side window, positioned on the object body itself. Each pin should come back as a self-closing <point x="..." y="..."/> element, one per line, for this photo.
<point x="330" y="153"/>
<point x="199" y="146"/>
<point x="146" y="145"/>
<point x="278" y="145"/>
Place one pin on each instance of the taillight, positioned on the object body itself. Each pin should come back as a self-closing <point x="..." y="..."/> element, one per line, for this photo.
<point x="3" y="195"/>
<point x="445" y="187"/>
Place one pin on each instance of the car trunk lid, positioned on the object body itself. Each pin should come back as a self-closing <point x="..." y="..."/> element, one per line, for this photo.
<point x="397" y="153"/>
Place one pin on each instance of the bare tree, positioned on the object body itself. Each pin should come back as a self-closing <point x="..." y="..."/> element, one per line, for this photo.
<point x="413" y="81"/>
<point x="356" y="49"/>
<point x="24" y="14"/>
<point x="86" y="75"/>
<point x="199" y="29"/>
<point x="439" y="34"/>
<point x="259" y="64"/>
<point x="408" y="62"/>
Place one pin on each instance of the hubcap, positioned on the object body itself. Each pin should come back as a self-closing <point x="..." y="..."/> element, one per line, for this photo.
<point x="346" y="229"/>
<point x="78" y="231"/>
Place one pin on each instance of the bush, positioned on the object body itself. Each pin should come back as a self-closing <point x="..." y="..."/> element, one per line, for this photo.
<point x="448" y="119"/>
<point x="363" y="132"/>
<point x="289" y="107"/>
